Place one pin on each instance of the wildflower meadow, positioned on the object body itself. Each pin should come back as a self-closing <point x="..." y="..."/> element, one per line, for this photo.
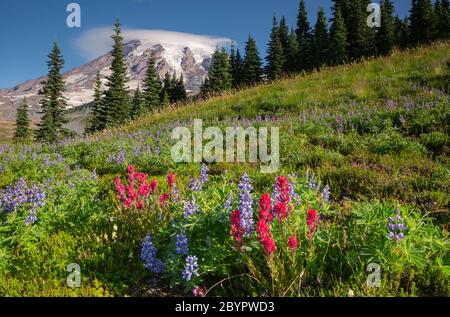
<point x="358" y="207"/>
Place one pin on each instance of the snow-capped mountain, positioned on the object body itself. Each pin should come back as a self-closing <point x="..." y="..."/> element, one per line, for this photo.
<point x="192" y="62"/>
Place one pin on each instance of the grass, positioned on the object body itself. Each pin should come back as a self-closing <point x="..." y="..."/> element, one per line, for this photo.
<point x="375" y="132"/>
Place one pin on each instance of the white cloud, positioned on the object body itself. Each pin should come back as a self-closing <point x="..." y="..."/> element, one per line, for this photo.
<point x="97" y="42"/>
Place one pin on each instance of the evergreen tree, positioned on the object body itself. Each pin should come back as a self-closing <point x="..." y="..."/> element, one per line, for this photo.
<point x="284" y="39"/>
<point x="423" y="22"/>
<point x="138" y="105"/>
<point x="385" y="36"/>
<point x="215" y="73"/>
<point x="368" y="32"/>
<point x="359" y="37"/>
<point x="204" y="89"/>
<point x="22" y="131"/>
<point x="152" y="85"/>
<point x="442" y="14"/>
<point x="401" y="32"/>
<point x="236" y="68"/>
<point x="98" y="118"/>
<point x="179" y="91"/>
<point x="292" y="54"/>
<point x="53" y="104"/>
<point x="320" y="41"/>
<point x="343" y="7"/>
<point x="225" y="73"/>
<point x="303" y="32"/>
<point x="252" y="64"/>
<point x="165" y="100"/>
<point x="116" y="98"/>
<point x="275" y="59"/>
<point x="338" y="39"/>
<point x="167" y="89"/>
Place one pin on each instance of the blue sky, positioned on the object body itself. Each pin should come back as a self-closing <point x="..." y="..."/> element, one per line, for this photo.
<point x="28" y="27"/>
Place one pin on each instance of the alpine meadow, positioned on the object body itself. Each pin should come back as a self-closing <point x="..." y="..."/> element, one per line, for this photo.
<point x="317" y="168"/>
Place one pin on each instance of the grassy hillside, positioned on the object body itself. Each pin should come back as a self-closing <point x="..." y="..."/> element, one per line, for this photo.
<point x="375" y="132"/>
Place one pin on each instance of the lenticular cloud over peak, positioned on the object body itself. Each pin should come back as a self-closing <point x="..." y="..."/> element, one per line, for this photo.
<point x="97" y="42"/>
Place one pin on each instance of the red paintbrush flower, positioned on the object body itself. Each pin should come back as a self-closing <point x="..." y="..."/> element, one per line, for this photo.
<point x="293" y="243"/>
<point x="163" y="199"/>
<point x="265" y="212"/>
<point x="153" y="186"/>
<point x="171" y="178"/>
<point x="236" y="229"/>
<point x="311" y="222"/>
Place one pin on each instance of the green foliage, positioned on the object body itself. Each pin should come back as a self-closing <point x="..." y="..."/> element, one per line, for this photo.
<point x="152" y="85"/>
<point x="116" y="97"/>
<point x="338" y="39"/>
<point x="275" y="57"/>
<point x="51" y="128"/>
<point x="22" y="132"/>
<point x="303" y="32"/>
<point x="138" y="106"/>
<point x="320" y="40"/>
<point x="385" y="36"/>
<point x="173" y="88"/>
<point x="98" y="119"/>
<point x="252" y="64"/>
<point x="423" y="23"/>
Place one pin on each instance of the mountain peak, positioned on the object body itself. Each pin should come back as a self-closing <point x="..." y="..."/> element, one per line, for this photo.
<point x="193" y="63"/>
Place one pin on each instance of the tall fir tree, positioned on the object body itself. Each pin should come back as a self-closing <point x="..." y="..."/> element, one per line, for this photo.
<point x="227" y="80"/>
<point x="320" y="41"/>
<point x="252" y="63"/>
<point x="358" y="35"/>
<point x="139" y="105"/>
<point x="179" y="91"/>
<point x="275" y="56"/>
<point x="385" y="36"/>
<point x="338" y="39"/>
<point x="98" y="116"/>
<point x="442" y="14"/>
<point x="22" y="131"/>
<point x="215" y="73"/>
<point x="423" y="22"/>
<point x="53" y="104"/>
<point x="292" y="54"/>
<point x="152" y="85"/>
<point x="303" y="32"/>
<point x="116" y="97"/>
<point x="167" y="88"/>
<point x="401" y="32"/>
<point x="236" y="68"/>
<point x="284" y="38"/>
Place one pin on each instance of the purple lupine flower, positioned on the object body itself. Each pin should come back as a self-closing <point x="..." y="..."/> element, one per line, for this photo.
<point x="13" y="196"/>
<point x="148" y="255"/>
<point x="191" y="268"/>
<point x="294" y="197"/>
<point x="311" y="183"/>
<point x="228" y="202"/>
<point x="204" y="174"/>
<point x="194" y="184"/>
<point x="326" y="193"/>
<point x="20" y="194"/>
<point x="118" y="158"/>
<point x="246" y="205"/>
<point x="182" y="244"/>
<point x="176" y="194"/>
<point x="137" y="151"/>
<point x="190" y="208"/>
<point x="396" y="227"/>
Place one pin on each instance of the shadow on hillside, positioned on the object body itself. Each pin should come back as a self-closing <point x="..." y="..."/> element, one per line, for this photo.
<point x="440" y="82"/>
